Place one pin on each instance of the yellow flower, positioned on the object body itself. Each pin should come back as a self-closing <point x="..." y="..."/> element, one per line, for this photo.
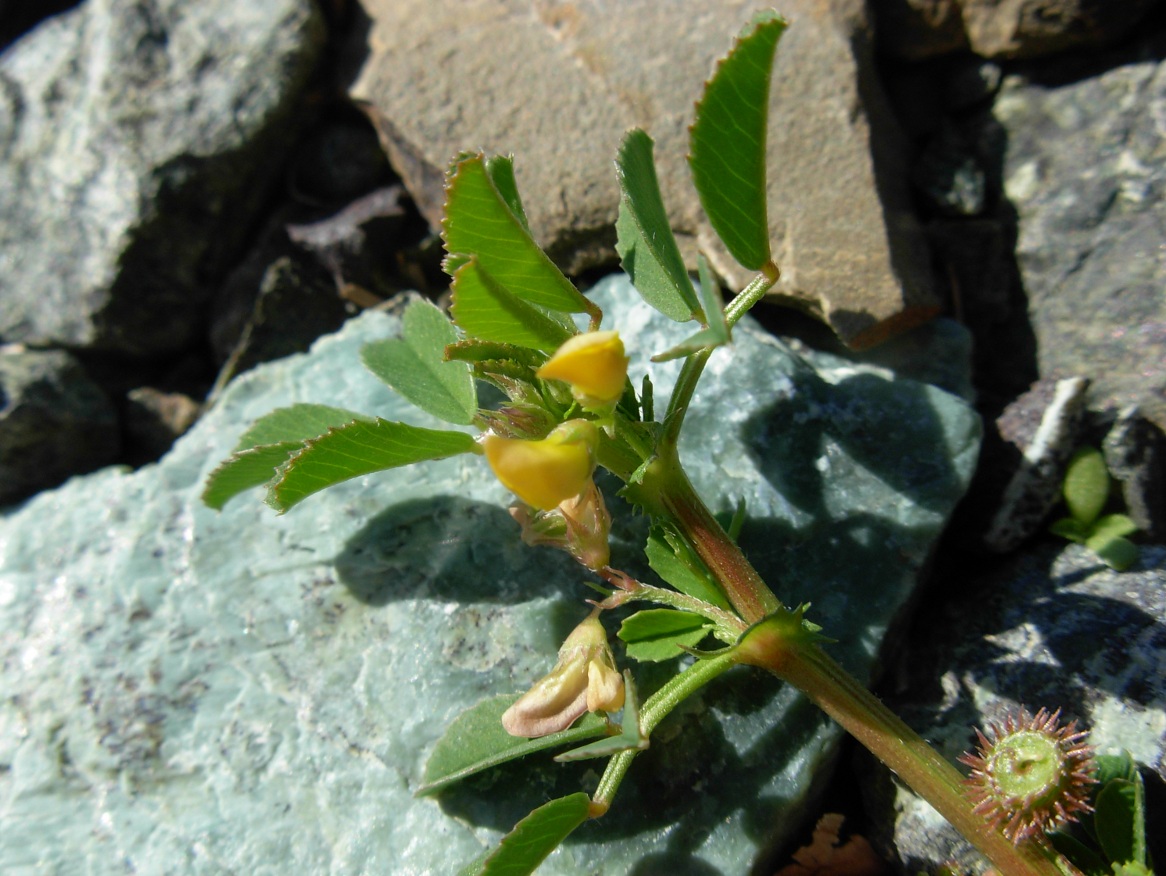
<point x="584" y="680"/>
<point x="544" y="473"/>
<point x="580" y="526"/>
<point x="594" y="364"/>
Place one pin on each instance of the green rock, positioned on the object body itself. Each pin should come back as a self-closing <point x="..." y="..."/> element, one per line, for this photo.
<point x="196" y="692"/>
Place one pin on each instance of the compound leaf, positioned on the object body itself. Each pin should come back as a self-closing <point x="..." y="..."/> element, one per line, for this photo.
<point x="264" y="447"/>
<point x="536" y="836"/>
<point x="415" y="366"/>
<point x="501" y="172"/>
<point x="644" y="240"/>
<point x="716" y="331"/>
<point x="355" y="449"/>
<point x="480" y="221"/>
<point x="672" y="561"/>
<point x="658" y="634"/>
<point x="486" y="309"/>
<point x="476" y="741"/>
<point x="727" y="143"/>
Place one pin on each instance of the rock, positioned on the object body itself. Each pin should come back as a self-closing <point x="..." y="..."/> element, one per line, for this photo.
<point x="1089" y="247"/>
<point x="138" y="141"/>
<point x="971" y="83"/>
<point x="294" y="303"/>
<point x="256" y="692"/>
<point x="845" y="237"/>
<point x="20" y="16"/>
<point x="1135" y="454"/>
<point x="949" y="176"/>
<point x="338" y="162"/>
<point x="54" y="422"/>
<point x="355" y="244"/>
<point x="917" y="29"/>
<point x="1053" y="627"/>
<point x="1042" y="428"/>
<point x="155" y="419"/>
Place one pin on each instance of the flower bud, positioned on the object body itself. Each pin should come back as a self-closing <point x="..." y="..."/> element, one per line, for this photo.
<point x="580" y="526"/>
<point x="584" y="680"/>
<point x="594" y="364"/>
<point x="544" y="473"/>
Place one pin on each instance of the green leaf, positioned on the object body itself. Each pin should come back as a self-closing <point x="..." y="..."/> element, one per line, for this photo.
<point x="480" y="221"/>
<point x="1070" y="528"/>
<point x="484" y="308"/>
<point x="266" y="446"/>
<point x="476" y="741"/>
<point x="1119" y="819"/>
<point x="415" y="366"/>
<point x="644" y="240"/>
<point x="1117" y="553"/>
<point x="1114" y="526"/>
<point x="1115" y="766"/>
<point x="727" y="143"/>
<point x="1086" y="484"/>
<point x="1080" y="855"/>
<point x="671" y="559"/>
<point x="356" y="449"/>
<point x="536" y="836"/>
<point x="631" y="737"/>
<point x="658" y="634"/>
<point x="500" y="169"/>
<point x="716" y="332"/>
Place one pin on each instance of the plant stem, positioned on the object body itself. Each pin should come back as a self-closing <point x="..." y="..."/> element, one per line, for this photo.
<point x="906" y="753"/>
<point x="693" y="366"/>
<point x="675" y="691"/>
<point x="740" y="582"/>
<point x="839" y="694"/>
<point x="751" y="294"/>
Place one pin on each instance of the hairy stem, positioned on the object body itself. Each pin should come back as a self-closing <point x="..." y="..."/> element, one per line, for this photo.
<point x="906" y="753"/>
<point x="743" y="587"/>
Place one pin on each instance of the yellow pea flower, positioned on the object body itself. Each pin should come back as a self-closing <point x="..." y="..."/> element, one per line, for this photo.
<point x="544" y="473"/>
<point x="594" y="364"/>
<point x="584" y="680"/>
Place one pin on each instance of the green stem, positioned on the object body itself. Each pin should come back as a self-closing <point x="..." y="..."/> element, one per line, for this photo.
<point x="751" y="294"/>
<point x="843" y="697"/>
<point x="744" y="588"/>
<point x="906" y="753"/>
<point x="675" y="691"/>
<point x="690" y="372"/>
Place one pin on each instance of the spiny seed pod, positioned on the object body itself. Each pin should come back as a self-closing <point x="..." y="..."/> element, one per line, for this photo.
<point x="1031" y="775"/>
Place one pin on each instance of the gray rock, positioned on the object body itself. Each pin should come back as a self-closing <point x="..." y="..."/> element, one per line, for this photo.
<point x="1015" y="29"/>
<point x="54" y="422"/>
<point x="1085" y="169"/>
<point x="845" y="236"/>
<point x="1042" y="428"/>
<point x="200" y="692"/>
<point x="137" y="142"/>
<point x="1135" y="454"/>
<point x="1052" y="628"/>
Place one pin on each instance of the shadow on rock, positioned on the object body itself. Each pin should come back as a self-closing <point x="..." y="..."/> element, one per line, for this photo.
<point x="449" y="548"/>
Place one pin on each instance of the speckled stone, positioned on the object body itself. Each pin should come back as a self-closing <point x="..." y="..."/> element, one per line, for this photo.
<point x="196" y="692"/>
<point x="1085" y="170"/>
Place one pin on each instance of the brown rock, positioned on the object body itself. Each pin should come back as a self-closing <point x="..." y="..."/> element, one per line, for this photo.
<point x="559" y="87"/>
<point x="918" y="29"/>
